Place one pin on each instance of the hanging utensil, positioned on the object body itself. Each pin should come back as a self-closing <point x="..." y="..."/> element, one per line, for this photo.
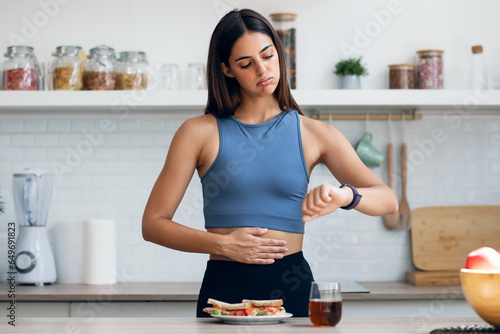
<point x="391" y="221"/>
<point x="404" y="206"/>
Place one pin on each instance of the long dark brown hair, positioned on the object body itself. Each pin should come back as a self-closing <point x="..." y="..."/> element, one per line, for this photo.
<point x="224" y="92"/>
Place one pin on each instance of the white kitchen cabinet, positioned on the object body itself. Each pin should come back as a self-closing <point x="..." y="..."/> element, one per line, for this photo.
<point x="40" y="309"/>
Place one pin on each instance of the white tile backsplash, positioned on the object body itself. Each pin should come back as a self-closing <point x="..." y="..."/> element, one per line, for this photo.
<point x="46" y="139"/>
<point x="80" y="125"/>
<point x="11" y="126"/>
<point x="148" y="125"/>
<point x="5" y="140"/>
<point x="35" y="126"/>
<point x="141" y="139"/>
<point x="38" y="153"/>
<point x="113" y="179"/>
<point x="25" y="140"/>
<point x="11" y="153"/>
<point x="58" y="125"/>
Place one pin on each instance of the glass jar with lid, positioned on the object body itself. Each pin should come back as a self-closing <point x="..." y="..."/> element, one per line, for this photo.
<point x="285" y="27"/>
<point x="430" y="69"/>
<point x="402" y="76"/>
<point x="100" y="71"/>
<point x="21" y="69"/>
<point x="132" y="68"/>
<point x="68" y="67"/>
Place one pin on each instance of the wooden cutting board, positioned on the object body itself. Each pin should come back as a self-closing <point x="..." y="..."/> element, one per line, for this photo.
<point x="433" y="278"/>
<point x="443" y="236"/>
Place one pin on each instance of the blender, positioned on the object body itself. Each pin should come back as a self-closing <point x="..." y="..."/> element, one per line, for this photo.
<point x="32" y="190"/>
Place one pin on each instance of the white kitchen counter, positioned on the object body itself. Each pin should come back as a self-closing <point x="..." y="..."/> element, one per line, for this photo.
<point x="202" y="326"/>
<point x="395" y="299"/>
<point x="187" y="291"/>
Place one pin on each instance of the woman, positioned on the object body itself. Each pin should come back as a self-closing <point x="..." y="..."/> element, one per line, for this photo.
<point x="254" y="151"/>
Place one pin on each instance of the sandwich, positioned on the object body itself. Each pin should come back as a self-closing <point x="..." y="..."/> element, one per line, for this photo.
<point x="267" y="307"/>
<point x="247" y="307"/>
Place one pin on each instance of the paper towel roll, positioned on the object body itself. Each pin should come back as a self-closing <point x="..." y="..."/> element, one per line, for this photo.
<point x="100" y="252"/>
<point x="69" y="250"/>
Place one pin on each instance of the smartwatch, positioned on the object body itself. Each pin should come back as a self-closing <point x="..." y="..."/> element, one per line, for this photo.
<point x="355" y="200"/>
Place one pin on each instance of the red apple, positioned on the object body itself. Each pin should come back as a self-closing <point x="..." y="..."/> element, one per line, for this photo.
<point x="484" y="258"/>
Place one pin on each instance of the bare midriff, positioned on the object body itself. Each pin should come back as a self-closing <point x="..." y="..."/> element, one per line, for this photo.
<point x="293" y="240"/>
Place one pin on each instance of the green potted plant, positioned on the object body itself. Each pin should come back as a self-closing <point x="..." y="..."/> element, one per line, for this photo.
<point x="349" y="71"/>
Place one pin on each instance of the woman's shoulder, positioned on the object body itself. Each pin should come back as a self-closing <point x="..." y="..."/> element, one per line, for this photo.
<point x="201" y="120"/>
<point x="199" y="124"/>
<point x="317" y="127"/>
<point x="196" y="130"/>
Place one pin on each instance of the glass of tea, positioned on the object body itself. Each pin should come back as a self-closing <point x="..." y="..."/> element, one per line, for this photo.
<point x="325" y="304"/>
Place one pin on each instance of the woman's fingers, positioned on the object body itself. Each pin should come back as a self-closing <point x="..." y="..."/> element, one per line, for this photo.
<point x="265" y="258"/>
<point x="271" y="250"/>
<point x="316" y="200"/>
<point x="308" y="218"/>
<point x="262" y="261"/>
<point x="251" y="247"/>
<point x="255" y="230"/>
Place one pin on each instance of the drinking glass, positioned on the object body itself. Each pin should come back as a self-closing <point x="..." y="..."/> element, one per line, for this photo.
<point x="170" y="75"/>
<point x="195" y="77"/>
<point x="325" y="304"/>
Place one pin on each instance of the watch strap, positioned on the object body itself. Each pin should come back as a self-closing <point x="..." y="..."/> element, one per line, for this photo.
<point x="355" y="199"/>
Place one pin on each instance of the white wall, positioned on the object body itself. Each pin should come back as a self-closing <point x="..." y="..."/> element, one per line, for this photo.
<point x="115" y="180"/>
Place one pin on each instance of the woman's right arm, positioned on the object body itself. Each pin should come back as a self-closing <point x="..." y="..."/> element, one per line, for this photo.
<point x="243" y="245"/>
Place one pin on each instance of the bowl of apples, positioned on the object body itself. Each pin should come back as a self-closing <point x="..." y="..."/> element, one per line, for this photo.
<point x="481" y="283"/>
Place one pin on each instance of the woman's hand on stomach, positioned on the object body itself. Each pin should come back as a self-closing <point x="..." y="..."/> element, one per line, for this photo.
<point x="256" y="245"/>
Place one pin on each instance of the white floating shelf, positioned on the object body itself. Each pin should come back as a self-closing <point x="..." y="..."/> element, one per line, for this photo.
<point x="398" y="99"/>
<point x="359" y="101"/>
<point x="47" y="101"/>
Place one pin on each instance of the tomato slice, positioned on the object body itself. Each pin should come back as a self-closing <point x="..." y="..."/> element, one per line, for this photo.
<point x="273" y="309"/>
<point x="251" y="311"/>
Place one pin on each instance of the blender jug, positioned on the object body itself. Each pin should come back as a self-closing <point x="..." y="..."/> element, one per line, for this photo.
<point x="32" y="190"/>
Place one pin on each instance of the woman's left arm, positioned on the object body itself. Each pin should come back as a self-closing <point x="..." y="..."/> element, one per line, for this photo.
<point x="335" y="151"/>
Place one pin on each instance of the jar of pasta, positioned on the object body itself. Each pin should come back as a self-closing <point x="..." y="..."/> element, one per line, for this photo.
<point x="100" y="72"/>
<point x="285" y="27"/>
<point x="402" y="76"/>
<point x="430" y="69"/>
<point x="20" y="70"/>
<point x="132" y="67"/>
<point x="68" y="68"/>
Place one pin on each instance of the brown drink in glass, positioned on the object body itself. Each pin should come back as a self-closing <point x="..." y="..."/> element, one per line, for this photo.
<point x="325" y="312"/>
<point x="325" y="304"/>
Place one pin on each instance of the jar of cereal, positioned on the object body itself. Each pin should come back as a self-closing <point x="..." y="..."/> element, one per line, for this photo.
<point x="21" y="69"/>
<point x="402" y="76"/>
<point x="68" y="67"/>
<point x="285" y="27"/>
<point x="100" y="72"/>
<point x="430" y="69"/>
<point x="132" y="67"/>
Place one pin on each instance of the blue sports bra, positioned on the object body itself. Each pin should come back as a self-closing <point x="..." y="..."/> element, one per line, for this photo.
<point x="259" y="177"/>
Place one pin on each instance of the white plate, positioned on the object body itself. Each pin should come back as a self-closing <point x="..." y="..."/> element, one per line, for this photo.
<point x="252" y="320"/>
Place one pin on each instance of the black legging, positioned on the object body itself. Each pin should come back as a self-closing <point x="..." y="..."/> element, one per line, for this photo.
<point x="288" y="279"/>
